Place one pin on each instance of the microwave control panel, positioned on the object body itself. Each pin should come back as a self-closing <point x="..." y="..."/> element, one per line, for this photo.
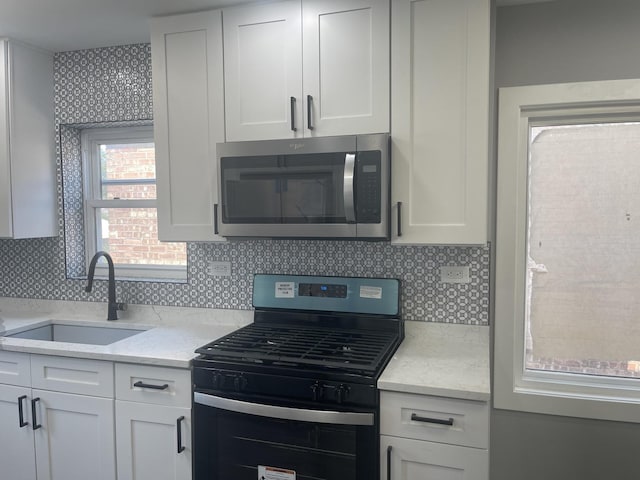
<point x="368" y="187"/>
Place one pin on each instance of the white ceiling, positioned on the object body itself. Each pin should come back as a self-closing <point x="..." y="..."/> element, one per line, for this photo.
<point x="64" y="25"/>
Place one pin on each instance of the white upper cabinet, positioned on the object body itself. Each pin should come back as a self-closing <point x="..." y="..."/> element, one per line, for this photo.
<point x="346" y="66"/>
<point x="440" y="66"/>
<point x="188" y="109"/>
<point x="306" y="68"/>
<point x="28" y="198"/>
<point x="262" y="68"/>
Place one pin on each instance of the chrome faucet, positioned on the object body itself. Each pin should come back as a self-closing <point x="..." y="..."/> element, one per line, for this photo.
<point x="112" y="313"/>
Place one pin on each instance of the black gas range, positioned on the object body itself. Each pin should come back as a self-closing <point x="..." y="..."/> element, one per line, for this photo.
<point x="294" y="393"/>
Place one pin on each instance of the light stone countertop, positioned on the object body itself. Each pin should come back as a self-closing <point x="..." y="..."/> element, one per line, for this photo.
<point x="434" y="358"/>
<point x="441" y="359"/>
<point x="170" y="340"/>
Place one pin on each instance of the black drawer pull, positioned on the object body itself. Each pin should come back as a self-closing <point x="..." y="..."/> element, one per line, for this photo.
<point x="181" y="448"/>
<point x="140" y="384"/>
<point x="36" y="425"/>
<point x="399" y="219"/>
<point x="439" y="421"/>
<point x="21" y="421"/>
<point x="389" y="448"/>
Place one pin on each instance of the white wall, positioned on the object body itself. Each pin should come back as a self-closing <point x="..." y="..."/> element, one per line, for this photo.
<point x="565" y="41"/>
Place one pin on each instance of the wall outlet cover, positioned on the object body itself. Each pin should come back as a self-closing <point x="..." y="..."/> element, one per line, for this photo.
<point x="454" y="274"/>
<point x="219" y="269"/>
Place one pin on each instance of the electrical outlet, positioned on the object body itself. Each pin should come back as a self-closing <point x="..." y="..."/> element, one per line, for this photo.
<point x="454" y="274"/>
<point x="219" y="269"/>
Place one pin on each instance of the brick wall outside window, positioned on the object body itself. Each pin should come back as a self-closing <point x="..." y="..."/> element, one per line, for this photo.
<point x="132" y="233"/>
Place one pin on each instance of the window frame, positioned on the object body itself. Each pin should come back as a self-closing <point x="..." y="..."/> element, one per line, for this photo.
<point x="91" y="139"/>
<point x="515" y="388"/>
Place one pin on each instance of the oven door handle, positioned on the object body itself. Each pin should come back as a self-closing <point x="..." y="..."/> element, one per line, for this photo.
<point x="286" y="413"/>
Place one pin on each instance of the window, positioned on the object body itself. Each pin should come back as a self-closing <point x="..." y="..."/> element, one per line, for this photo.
<point x="120" y="205"/>
<point x="567" y="339"/>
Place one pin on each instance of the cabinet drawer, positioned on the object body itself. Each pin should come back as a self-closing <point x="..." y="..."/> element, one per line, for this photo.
<point x="15" y="369"/>
<point x="72" y="375"/>
<point x="148" y="384"/>
<point x="415" y="416"/>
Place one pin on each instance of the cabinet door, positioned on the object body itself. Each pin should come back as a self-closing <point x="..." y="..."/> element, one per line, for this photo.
<point x="188" y="110"/>
<point x="6" y="220"/>
<point x="28" y="189"/>
<point x="148" y="444"/>
<point x="76" y="438"/>
<point x="263" y="71"/>
<point x="346" y="66"/>
<point x="17" y="452"/>
<point x="440" y="119"/>
<point x="418" y="460"/>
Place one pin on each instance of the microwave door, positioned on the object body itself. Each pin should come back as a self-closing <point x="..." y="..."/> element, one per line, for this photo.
<point x="296" y="195"/>
<point x="312" y="189"/>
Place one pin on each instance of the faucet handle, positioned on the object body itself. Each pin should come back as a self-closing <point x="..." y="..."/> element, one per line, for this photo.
<point x="121" y="306"/>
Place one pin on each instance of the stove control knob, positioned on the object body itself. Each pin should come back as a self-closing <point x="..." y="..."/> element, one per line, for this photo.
<point x="217" y="380"/>
<point x="239" y="383"/>
<point x="316" y="391"/>
<point x="341" y="393"/>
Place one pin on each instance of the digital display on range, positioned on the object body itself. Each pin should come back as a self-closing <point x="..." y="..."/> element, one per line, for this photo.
<point x="322" y="290"/>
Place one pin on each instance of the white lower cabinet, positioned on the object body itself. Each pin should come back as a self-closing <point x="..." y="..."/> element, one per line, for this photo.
<point x="56" y="435"/>
<point x="64" y="418"/>
<point x="74" y="436"/>
<point x="153" y="423"/>
<point x="433" y="438"/>
<point x="154" y="441"/>
<point x="17" y="450"/>
<point x="418" y="460"/>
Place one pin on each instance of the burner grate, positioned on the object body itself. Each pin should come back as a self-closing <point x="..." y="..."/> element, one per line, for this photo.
<point x="346" y="349"/>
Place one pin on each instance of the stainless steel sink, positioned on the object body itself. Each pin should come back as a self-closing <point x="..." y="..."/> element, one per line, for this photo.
<point x="87" y="334"/>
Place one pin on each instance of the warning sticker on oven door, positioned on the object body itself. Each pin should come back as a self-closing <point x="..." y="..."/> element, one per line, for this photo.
<point x="285" y="289"/>
<point x="274" y="473"/>
<point x="370" y="292"/>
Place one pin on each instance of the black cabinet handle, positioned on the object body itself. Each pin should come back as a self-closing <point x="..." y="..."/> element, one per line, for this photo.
<point x="309" y="105"/>
<point x="389" y="448"/>
<point x="36" y="425"/>
<point x="439" y="421"/>
<point x="399" y="219"/>
<point x="215" y="218"/>
<point x="21" y="421"/>
<point x="140" y="384"/>
<point x="293" y="114"/>
<point x="181" y="448"/>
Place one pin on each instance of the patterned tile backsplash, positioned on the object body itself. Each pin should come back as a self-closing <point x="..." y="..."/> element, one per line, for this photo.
<point x="112" y="86"/>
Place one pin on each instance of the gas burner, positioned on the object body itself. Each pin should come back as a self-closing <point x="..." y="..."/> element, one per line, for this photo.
<point x="302" y="345"/>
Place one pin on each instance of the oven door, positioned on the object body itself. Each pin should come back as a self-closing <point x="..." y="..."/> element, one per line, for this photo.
<point x="241" y="440"/>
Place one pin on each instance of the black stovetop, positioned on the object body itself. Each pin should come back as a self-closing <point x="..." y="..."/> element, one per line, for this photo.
<point x="303" y="345"/>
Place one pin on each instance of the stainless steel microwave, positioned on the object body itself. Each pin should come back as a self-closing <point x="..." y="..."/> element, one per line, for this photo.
<point x="323" y="187"/>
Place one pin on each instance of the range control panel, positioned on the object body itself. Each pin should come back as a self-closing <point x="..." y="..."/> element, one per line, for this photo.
<point x="329" y="294"/>
<point x="322" y="290"/>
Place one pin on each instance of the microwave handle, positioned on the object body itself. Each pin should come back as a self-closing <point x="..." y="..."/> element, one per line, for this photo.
<point x="215" y="219"/>
<point x="348" y="187"/>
